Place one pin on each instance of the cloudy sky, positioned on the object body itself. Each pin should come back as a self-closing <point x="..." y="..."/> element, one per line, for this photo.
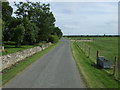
<point x="76" y="18"/>
<point x="86" y="18"/>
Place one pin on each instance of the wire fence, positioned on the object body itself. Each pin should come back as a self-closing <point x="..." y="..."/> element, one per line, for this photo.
<point x="91" y="53"/>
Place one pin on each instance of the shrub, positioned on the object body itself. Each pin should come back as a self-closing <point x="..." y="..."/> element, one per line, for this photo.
<point x="53" y="39"/>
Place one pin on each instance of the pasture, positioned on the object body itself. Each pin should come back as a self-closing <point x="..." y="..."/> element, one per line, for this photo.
<point x="84" y="51"/>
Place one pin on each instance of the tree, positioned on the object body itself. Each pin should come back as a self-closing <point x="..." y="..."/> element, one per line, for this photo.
<point x="34" y="23"/>
<point x="6" y="18"/>
<point x="6" y="11"/>
<point x="31" y="32"/>
<point x="40" y="15"/>
<point x="47" y="23"/>
<point x="19" y="32"/>
<point x="57" y="31"/>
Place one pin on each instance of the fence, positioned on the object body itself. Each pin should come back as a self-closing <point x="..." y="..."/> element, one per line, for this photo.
<point x="92" y="54"/>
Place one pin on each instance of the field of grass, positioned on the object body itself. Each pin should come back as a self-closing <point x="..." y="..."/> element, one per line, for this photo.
<point x="12" y="49"/>
<point x="9" y="47"/>
<point x="107" y="47"/>
<point x="96" y="78"/>
<point x="94" y="38"/>
<point x="8" y="74"/>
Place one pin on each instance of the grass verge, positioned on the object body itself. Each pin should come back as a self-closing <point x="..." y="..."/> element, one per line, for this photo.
<point x="93" y="77"/>
<point x="24" y="64"/>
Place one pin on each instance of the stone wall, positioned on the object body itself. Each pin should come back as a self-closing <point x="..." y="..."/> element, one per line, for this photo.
<point x="11" y="59"/>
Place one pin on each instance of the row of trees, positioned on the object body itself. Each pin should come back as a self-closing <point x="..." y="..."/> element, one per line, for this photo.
<point x="33" y="23"/>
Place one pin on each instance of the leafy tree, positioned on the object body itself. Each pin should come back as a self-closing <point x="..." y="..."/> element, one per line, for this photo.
<point x="19" y="32"/>
<point x="6" y="18"/>
<point x="45" y="19"/>
<point x="40" y="15"/>
<point x="47" y="22"/>
<point x="57" y="31"/>
<point x="34" y="23"/>
<point x="3" y="26"/>
<point x="31" y="31"/>
<point x="6" y="11"/>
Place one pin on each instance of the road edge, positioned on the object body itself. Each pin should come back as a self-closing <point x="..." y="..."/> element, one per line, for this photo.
<point x="82" y="77"/>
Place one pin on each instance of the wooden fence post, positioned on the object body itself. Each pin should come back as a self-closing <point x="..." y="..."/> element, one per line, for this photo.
<point x="97" y="56"/>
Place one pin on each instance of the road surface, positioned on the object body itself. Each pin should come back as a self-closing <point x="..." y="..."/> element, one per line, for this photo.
<point x="56" y="69"/>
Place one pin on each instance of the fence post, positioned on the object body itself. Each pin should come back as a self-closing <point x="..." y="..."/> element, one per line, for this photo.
<point x="97" y="56"/>
<point x="114" y="66"/>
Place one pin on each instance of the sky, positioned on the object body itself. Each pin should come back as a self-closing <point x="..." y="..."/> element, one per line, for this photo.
<point x="86" y="18"/>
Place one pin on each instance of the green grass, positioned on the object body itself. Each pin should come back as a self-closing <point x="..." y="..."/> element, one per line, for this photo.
<point x="107" y="46"/>
<point x="12" y="49"/>
<point x="93" y="77"/>
<point x="23" y="64"/>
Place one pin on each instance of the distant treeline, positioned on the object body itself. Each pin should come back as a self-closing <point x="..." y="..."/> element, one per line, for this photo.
<point x="33" y="23"/>
<point x="91" y="35"/>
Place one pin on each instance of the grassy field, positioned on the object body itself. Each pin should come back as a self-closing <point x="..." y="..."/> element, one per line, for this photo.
<point x="12" y="49"/>
<point x="9" y="47"/>
<point x="107" y="47"/>
<point x="8" y="74"/>
<point x="96" y="78"/>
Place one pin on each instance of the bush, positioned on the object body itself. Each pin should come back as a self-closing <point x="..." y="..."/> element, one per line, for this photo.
<point x="53" y="39"/>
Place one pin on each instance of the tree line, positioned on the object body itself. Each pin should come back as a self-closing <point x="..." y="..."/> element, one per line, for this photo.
<point x="33" y="23"/>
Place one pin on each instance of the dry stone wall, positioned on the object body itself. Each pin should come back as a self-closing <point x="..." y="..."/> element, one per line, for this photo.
<point x="11" y="59"/>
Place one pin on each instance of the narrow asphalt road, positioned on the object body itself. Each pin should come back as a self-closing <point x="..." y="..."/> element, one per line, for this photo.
<point x="56" y="69"/>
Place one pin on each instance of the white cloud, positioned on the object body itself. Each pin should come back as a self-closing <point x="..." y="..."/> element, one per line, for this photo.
<point x="86" y="18"/>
